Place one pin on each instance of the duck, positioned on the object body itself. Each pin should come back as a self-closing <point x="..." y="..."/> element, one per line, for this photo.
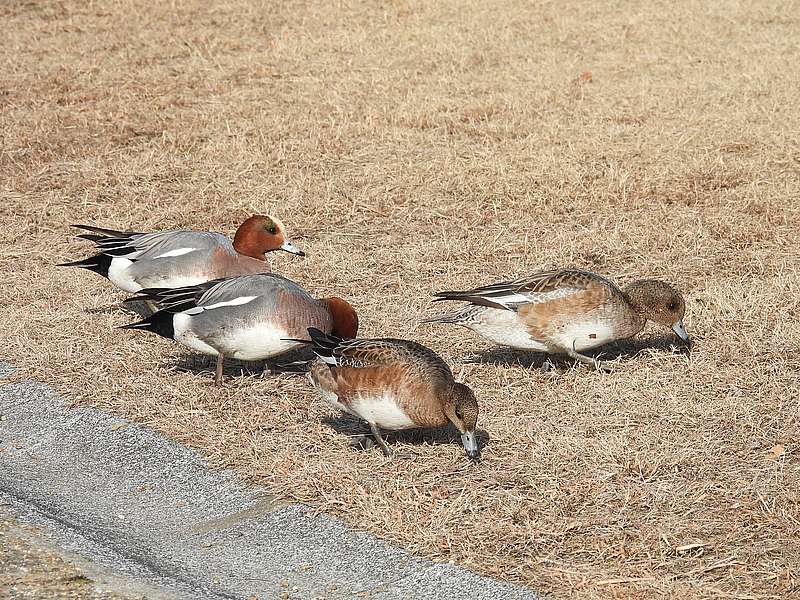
<point x="392" y="384"/>
<point x="247" y="317"/>
<point x="565" y="311"/>
<point x="135" y="261"/>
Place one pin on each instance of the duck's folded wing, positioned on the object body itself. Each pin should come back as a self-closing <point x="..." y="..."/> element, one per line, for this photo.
<point x="176" y="300"/>
<point x="219" y="293"/>
<point x="171" y="244"/>
<point x="150" y="246"/>
<point x="355" y="353"/>
<point x="533" y="289"/>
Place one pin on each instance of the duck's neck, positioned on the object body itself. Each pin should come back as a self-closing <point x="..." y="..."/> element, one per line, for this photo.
<point x="228" y="265"/>
<point x="636" y="315"/>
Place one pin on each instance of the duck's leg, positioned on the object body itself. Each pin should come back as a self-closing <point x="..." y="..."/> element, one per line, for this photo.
<point x="220" y="368"/>
<point x="376" y="433"/>
<point x="587" y="360"/>
<point x="266" y="370"/>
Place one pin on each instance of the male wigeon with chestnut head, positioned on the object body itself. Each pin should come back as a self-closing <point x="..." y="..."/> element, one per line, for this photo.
<point x="171" y="259"/>
<point x="249" y="317"/>
<point x="392" y="384"/>
<point x="565" y="311"/>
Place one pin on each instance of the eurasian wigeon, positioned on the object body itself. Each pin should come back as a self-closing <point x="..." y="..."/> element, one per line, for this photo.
<point x="249" y="317"/>
<point x="565" y="311"/>
<point x="392" y="384"/>
<point x="171" y="259"/>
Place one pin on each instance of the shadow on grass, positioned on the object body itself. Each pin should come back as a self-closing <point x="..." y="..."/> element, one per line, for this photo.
<point x="120" y="308"/>
<point x="279" y="365"/>
<point x="355" y="428"/>
<point x="623" y="349"/>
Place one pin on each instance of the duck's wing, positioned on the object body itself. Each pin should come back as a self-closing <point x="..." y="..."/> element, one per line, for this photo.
<point x="538" y="288"/>
<point x="358" y="353"/>
<point x="175" y="300"/>
<point x="219" y="293"/>
<point x="149" y="246"/>
<point x="377" y="353"/>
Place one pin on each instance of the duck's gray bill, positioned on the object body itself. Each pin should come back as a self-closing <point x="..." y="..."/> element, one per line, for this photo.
<point x="471" y="444"/>
<point x="288" y="246"/>
<point x="680" y="331"/>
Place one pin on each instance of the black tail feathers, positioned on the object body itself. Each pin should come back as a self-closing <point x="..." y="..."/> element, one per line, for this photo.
<point x="99" y="263"/>
<point x="159" y="323"/>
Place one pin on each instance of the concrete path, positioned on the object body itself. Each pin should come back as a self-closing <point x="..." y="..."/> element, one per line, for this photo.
<point x="148" y="517"/>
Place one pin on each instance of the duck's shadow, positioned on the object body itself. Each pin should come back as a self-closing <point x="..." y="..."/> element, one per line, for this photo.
<point x="292" y="362"/>
<point x="623" y="349"/>
<point x="132" y="308"/>
<point x="355" y="428"/>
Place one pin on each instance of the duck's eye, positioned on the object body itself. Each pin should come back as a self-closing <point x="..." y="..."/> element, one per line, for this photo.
<point x="672" y="305"/>
<point x="272" y="230"/>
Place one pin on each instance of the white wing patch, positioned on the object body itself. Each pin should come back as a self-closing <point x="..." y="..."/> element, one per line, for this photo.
<point x="510" y="299"/>
<point x="176" y="252"/>
<point x="532" y="297"/>
<point x="235" y="302"/>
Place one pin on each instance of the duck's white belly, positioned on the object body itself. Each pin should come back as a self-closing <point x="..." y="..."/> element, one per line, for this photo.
<point x="255" y="343"/>
<point x="383" y="410"/>
<point x="585" y="335"/>
<point x="504" y="327"/>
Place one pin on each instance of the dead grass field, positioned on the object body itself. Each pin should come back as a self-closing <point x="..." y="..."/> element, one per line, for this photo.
<point x="418" y="146"/>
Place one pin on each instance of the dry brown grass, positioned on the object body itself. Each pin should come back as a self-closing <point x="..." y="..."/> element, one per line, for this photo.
<point x="418" y="146"/>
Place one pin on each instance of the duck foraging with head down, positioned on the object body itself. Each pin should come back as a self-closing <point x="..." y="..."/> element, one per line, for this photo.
<point x="565" y="311"/>
<point x="250" y="317"/>
<point x="171" y="259"/>
<point x="392" y="384"/>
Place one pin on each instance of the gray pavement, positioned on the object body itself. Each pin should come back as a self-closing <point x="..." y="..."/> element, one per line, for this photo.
<point x="146" y="516"/>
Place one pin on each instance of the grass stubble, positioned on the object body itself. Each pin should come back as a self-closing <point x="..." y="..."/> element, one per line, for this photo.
<point x="412" y="147"/>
